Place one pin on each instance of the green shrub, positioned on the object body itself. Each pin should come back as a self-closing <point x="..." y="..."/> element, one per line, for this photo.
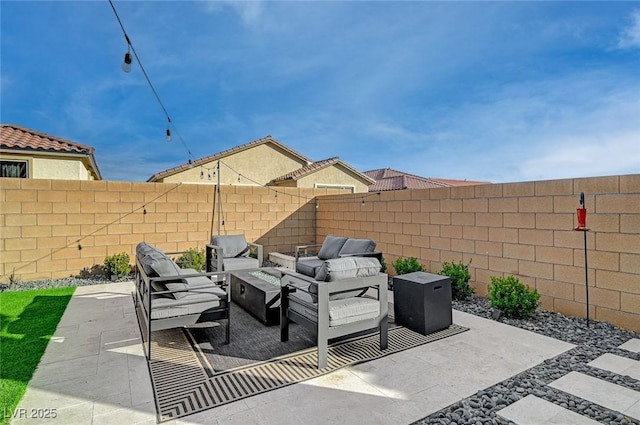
<point x="513" y="297"/>
<point x="194" y="258"/>
<point x="407" y="265"/>
<point x="383" y="265"/>
<point x="117" y="265"/>
<point x="460" y="276"/>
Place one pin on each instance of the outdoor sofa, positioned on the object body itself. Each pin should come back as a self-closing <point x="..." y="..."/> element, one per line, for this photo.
<point x="167" y="296"/>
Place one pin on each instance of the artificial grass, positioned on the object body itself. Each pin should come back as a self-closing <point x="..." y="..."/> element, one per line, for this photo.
<point x="28" y="320"/>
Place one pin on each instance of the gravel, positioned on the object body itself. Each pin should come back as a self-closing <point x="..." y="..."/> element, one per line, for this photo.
<point x="97" y="279"/>
<point x="591" y="342"/>
<point x="481" y="408"/>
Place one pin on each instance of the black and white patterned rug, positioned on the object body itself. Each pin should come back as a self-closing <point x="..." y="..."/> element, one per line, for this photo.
<point x="192" y="371"/>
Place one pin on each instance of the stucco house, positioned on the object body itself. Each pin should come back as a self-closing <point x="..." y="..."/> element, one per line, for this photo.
<point x="390" y="179"/>
<point x="29" y="154"/>
<point x="267" y="162"/>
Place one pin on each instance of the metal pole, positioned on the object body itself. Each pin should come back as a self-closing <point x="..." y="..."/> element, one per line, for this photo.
<point x="586" y="273"/>
<point x="219" y="198"/>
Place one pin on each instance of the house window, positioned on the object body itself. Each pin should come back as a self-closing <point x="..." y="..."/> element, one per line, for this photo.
<point x="18" y="169"/>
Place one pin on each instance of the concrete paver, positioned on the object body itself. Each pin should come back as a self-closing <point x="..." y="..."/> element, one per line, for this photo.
<point x="94" y="372"/>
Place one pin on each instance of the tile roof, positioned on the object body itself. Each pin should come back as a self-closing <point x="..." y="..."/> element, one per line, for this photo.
<point x="220" y="155"/>
<point x="390" y="179"/>
<point x="318" y="165"/>
<point x="17" y="137"/>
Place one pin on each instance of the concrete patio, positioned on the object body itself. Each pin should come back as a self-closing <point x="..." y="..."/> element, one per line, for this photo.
<point x="94" y="372"/>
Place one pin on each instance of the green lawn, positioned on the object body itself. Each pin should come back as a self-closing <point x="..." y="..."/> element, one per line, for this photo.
<point x="28" y="319"/>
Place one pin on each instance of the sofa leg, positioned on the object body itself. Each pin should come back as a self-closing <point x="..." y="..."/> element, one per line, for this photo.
<point x="284" y="320"/>
<point x="384" y="334"/>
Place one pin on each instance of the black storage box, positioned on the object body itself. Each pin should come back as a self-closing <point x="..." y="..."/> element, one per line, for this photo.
<point x="422" y="302"/>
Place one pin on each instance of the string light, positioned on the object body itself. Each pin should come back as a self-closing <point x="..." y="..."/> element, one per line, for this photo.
<point x="126" y="64"/>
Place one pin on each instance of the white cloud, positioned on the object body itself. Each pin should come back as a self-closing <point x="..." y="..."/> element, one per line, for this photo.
<point x="630" y="37"/>
<point x="600" y="155"/>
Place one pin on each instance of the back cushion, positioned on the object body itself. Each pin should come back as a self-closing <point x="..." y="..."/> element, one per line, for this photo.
<point x="357" y="246"/>
<point x="149" y="254"/>
<point x="231" y="245"/>
<point x="331" y="247"/>
<point x="347" y="268"/>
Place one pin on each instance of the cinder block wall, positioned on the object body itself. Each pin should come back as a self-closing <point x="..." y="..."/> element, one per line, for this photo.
<point x="524" y="229"/>
<point x="58" y="228"/>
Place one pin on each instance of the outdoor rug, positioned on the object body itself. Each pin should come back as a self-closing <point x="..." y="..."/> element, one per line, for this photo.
<point x="192" y="370"/>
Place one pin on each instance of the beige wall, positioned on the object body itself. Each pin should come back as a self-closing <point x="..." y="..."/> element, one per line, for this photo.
<point x="335" y="175"/>
<point x="525" y="229"/>
<point x="519" y="228"/>
<point x="52" y="167"/>
<point x="260" y="164"/>
<point x="57" y="228"/>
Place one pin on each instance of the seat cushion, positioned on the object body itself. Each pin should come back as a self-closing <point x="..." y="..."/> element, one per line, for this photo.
<point x="240" y="263"/>
<point x="331" y="247"/>
<point x="192" y="303"/>
<point x="231" y="245"/>
<point x="357" y="246"/>
<point x="341" y="311"/>
<point x="309" y="265"/>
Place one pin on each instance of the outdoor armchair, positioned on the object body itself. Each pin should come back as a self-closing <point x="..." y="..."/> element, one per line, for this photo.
<point x="231" y="252"/>
<point x="351" y="298"/>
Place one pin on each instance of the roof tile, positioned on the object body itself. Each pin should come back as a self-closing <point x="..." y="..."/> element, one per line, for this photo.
<point x="17" y="137"/>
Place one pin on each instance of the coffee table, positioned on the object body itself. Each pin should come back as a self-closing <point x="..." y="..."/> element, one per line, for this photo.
<point x="258" y="292"/>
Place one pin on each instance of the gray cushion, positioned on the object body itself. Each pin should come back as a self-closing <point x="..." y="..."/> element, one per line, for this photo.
<point x="341" y="311"/>
<point x="193" y="303"/>
<point x="347" y="268"/>
<point x="240" y="263"/>
<point x="165" y="267"/>
<point x="357" y="246"/>
<point x="331" y="247"/>
<point x="308" y="265"/>
<point x="231" y="245"/>
<point x="147" y="254"/>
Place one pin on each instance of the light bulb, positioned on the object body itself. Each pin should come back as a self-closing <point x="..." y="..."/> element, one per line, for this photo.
<point x="126" y="64"/>
<point x="168" y="135"/>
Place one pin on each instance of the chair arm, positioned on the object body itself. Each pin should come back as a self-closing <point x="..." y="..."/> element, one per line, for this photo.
<point x="213" y="253"/>
<point x="260" y="252"/>
<point x="304" y="248"/>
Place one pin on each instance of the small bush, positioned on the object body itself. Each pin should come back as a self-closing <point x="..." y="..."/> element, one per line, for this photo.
<point x="407" y="265"/>
<point x="460" y="276"/>
<point x="513" y="297"/>
<point x="194" y="258"/>
<point x="383" y="265"/>
<point x="117" y="265"/>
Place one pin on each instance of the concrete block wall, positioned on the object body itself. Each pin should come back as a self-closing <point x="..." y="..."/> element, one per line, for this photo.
<point x="58" y="228"/>
<point x="524" y="229"/>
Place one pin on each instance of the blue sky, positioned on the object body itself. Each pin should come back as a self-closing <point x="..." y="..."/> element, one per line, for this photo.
<point x="497" y="91"/>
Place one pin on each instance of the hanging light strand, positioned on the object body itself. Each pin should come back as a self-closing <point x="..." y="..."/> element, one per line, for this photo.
<point x="170" y="125"/>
